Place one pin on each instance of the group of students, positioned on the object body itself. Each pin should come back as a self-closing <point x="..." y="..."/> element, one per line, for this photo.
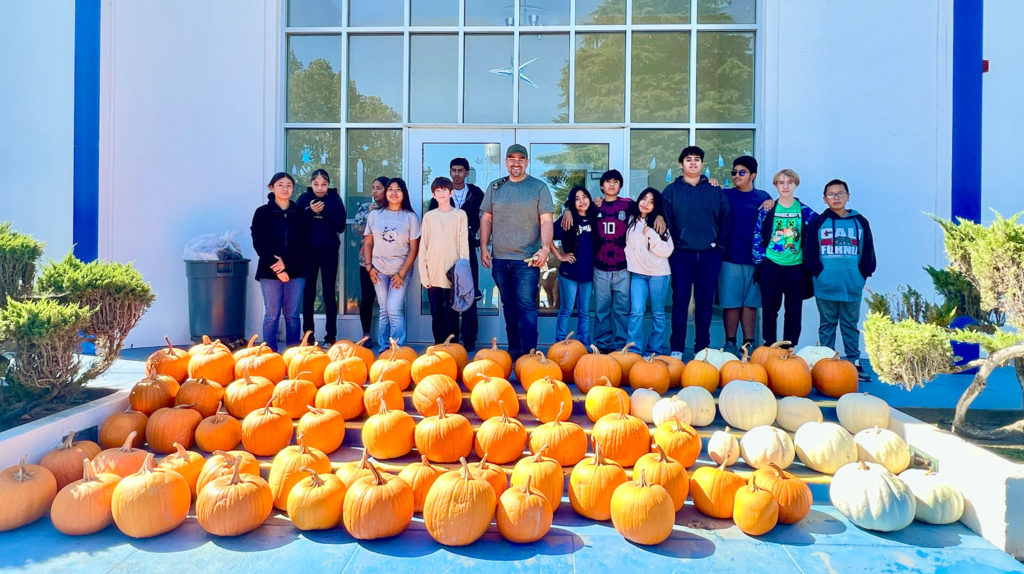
<point x="752" y="250"/>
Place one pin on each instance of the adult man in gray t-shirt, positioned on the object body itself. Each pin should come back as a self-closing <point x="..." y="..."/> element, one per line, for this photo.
<point x="521" y="243"/>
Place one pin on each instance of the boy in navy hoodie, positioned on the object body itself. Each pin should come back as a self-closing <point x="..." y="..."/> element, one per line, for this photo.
<point x="840" y="254"/>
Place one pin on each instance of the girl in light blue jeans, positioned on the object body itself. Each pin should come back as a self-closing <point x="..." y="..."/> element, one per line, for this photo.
<point x="647" y="262"/>
<point x="576" y="272"/>
<point x="390" y="243"/>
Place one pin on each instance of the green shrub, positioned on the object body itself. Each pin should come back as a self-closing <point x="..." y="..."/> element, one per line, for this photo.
<point x="45" y="336"/>
<point x="18" y="256"/>
<point x="906" y="353"/>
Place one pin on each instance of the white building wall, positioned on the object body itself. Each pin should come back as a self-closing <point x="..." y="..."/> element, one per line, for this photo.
<point x="187" y="138"/>
<point x="862" y="91"/>
<point x="37" y="120"/>
<point x="1002" y="113"/>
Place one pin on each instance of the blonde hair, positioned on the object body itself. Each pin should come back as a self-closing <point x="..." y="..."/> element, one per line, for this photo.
<point x="788" y="173"/>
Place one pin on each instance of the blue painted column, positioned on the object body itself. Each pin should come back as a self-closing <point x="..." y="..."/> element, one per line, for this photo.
<point x="85" y="230"/>
<point x="968" y="26"/>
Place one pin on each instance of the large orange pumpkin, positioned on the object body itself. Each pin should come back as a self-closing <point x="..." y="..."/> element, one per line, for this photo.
<point x="700" y="373"/>
<point x="117" y="426"/>
<point x="26" y="493"/>
<point x="247" y="394"/>
<point x="203" y="395"/>
<point x="742" y="370"/>
<point x="65" y="462"/>
<point x="170" y="361"/>
<point x="603" y="399"/>
<point x="459" y="507"/>
<point x="834" y="377"/>
<point x="170" y="425"/>
<point x="380" y="393"/>
<point x="350" y="368"/>
<point x="487" y="395"/>
<point x="788" y="375"/>
<point x="444" y="437"/>
<point x="566" y="353"/>
<point x="153" y="393"/>
<point x="315" y="502"/>
<point x="755" y="510"/>
<point x="219" y="431"/>
<point x="623" y="437"/>
<point x="294" y="395"/>
<point x="216" y="363"/>
<point x="83" y="506"/>
<point x="397" y="370"/>
<point x="343" y="396"/>
<point x="679" y="440"/>
<point x="311" y="366"/>
<point x="497" y="355"/>
<point x="389" y="433"/>
<point x="266" y="431"/>
<point x="642" y="511"/>
<point x="433" y="387"/>
<point x="264" y="362"/>
<point x="286" y="469"/>
<point x="517" y="366"/>
<point x="647" y="373"/>
<point x="548" y="399"/>
<point x="501" y="437"/>
<point x="233" y="505"/>
<point x="591" y="484"/>
<point x="150" y="502"/>
<point x="590" y="368"/>
<point x="565" y="441"/>
<point x="523" y="514"/>
<point x="377" y="506"/>
<point x="713" y="490"/>
<point x="535" y="367"/>
<point x="477" y="370"/>
<point x="322" y="429"/>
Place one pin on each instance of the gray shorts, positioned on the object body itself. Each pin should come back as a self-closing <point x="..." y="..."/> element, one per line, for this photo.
<point x="736" y="287"/>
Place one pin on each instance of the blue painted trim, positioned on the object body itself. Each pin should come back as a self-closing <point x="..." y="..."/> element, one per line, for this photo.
<point x="85" y="230"/>
<point x="968" y="27"/>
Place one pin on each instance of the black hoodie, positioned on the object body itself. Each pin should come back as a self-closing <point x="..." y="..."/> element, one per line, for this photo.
<point x="280" y="232"/>
<point x="326" y="225"/>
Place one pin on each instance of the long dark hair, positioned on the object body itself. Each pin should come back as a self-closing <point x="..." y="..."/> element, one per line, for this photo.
<point x="406" y="204"/>
<point x="659" y="209"/>
<point x="570" y="201"/>
<point x="569" y="238"/>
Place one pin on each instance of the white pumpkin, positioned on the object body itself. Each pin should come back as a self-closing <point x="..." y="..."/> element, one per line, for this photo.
<point x="884" y="447"/>
<point x="764" y="445"/>
<point x="723" y="447"/>
<point x="872" y="497"/>
<point x="937" y="501"/>
<point x="669" y="409"/>
<point x="859" y="411"/>
<point x="793" y="412"/>
<point x="824" y="447"/>
<point x="641" y="404"/>
<point x="747" y="404"/>
<point x="716" y="357"/>
<point x="701" y="403"/>
<point x="812" y="354"/>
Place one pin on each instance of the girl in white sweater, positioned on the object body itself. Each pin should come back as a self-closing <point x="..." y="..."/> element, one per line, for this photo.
<point x="647" y="261"/>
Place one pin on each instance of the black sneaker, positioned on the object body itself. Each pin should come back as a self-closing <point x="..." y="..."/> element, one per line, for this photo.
<point x="862" y="375"/>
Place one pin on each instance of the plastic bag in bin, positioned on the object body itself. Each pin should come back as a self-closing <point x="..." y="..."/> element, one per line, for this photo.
<point x="214" y="247"/>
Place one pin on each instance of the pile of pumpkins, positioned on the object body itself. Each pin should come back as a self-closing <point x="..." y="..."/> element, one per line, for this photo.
<point x="217" y="400"/>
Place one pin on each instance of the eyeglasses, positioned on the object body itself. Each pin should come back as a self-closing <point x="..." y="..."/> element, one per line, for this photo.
<point x="838" y="195"/>
<point x="740" y="172"/>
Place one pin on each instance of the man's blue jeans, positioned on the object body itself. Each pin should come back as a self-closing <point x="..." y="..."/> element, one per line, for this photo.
<point x="281" y="297"/>
<point x="518" y="284"/>
<point x="640" y="286"/>
<point x="567" y="291"/>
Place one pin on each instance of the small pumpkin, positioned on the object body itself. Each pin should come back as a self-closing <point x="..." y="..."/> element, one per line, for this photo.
<point x="492" y="473"/>
<point x="311" y="365"/>
<point x="315" y="502"/>
<point x="433" y="387"/>
<point x="648" y="373"/>
<point x="344" y="397"/>
<point x="701" y="403"/>
<point x="350" y="368"/>
<point x="170" y="361"/>
<point x="642" y="512"/>
<point x="723" y="448"/>
<point x="459" y="507"/>
<point x="566" y="353"/>
<point x="286" y="469"/>
<point x="263" y="362"/>
<point x="204" y="396"/>
<point x="476" y="370"/>
<point x="153" y="393"/>
<point x="834" y="377"/>
<point x="83" y="506"/>
<point x="764" y="445"/>
<point x="457" y="352"/>
<point x="824" y="447"/>
<point x="502" y="437"/>
<point x="488" y="393"/>
<point x="389" y="434"/>
<point x="535" y="367"/>
<point x="219" y="431"/>
<point x="497" y="355"/>
<point x="294" y="395"/>
<point x="26" y="494"/>
<point x="623" y="437"/>
<point x="397" y="370"/>
<point x="590" y="368"/>
<point x="187" y="463"/>
<point x="859" y="411"/>
<point x="523" y="515"/>
<point x="421" y="476"/>
<point x="233" y="505"/>
<point x="545" y="474"/>
<point x="671" y="474"/>
<point x="444" y="437"/>
<point x="641" y="404"/>
<point x="566" y="442"/>
<point x="884" y="447"/>
<point x="382" y="393"/>
<point x="761" y="354"/>
<point x="675" y="369"/>
<point x="742" y="369"/>
<point x="591" y="484"/>
<point x="118" y="425"/>
<point x="377" y="506"/>
<point x="603" y="399"/>
<point x="434" y="363"/>
<point x="679" y="440"/>
<point x="546" y="397"/>
<point x="793" y="412"/>
<point x="755" y="510"/>
<point x="65" y="462"/>
<point x="872" y="497"/>
<point x="150" y="502"/>
<point x="713" y="490"/>
<point x="626" y="359"/>
<point x="792" y="494"/>
<point x="699" y="373"/>
<point x="170" y="425"/>
<point x="121" y="461"/>
<point x="788" y="376"/>
<point x="747" y="404"/>
<point x="322" y="429"/>
<point x="247" y="394"/>
<point x="215" y="363"/>
<point x="266" y="431"/>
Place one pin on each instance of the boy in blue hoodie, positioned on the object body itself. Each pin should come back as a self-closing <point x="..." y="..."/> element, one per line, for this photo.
<point x="840" y="254"/>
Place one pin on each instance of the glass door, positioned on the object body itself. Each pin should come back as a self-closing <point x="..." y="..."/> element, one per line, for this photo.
<point x="561" y="158"/>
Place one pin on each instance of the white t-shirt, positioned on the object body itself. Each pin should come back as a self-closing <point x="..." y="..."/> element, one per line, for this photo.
<point x="392" y="231"/>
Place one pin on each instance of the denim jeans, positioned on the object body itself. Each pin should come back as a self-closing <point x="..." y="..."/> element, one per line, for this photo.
<point x="567" y="290"/>
<point x="846" y="315"/>
<point x="611" y="305"/>
<point x="518" y="284"/>
<point x="391" y="324"/>
<point x="281" y="297"/>
<point x="640" y="286"/>
<point x="693" y="272"/>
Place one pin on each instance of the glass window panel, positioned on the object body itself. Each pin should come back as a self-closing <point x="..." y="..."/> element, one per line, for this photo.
<point x="660" y="83"/>
<point x="726" y="11"/>
<point x="661" y="11"/>
<point x="371" y="154"/>
<point x="314" y="79"/>
<point x="725" y="77"/>
<point x="600" y="77"/>
<point x="435" y="12"/>
<point x="375" y="78"/>
<point x="489" y="13"/>
<point x="543" y="78"/>
<point x="434" y="78"/>
<point x="488" y="84"/>
<point x="309" y="150"/>
<point x="544" y="13"/>
<point x="654" y="157"/>
<point x="600" y="12"/>
<point x="311" y="13"/>
<point x="353" y="241"/>
<point x="376" y="12"/>
<point x="723" y="146"/>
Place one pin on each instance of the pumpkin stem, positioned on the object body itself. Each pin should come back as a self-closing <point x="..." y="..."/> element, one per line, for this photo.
<point x="364" y="460"/>
<point x="305" y="339"/>
<point x="721" y="467"/>
<point x="777" y="469"/>
<point x="861" y="465"/>
<point x="252" y="340"/>
<point x="147" y="466"/>
<point x="622" y="406"/>
<point x="504" y="414"/>
<point x="753" y="483"/>
<point x="483" y="461"/>
<point x="494" y="344"/>
<point x="662" y="457"/>
<point x="170" y="347"/>
<point x="607" y="382"/>
<point x="448" y="341"/>
<point x="746" y="353"/>
<point x="466" y="475"/>
<point x="68" y="440"/>
<point x="179" y="451"/>
<point x="88" y="474"/>
<point x="440" y="409"/>
<point x="598" y="455"/>
<point x="313" y="477"/>
<point x="643" y="478"/>
<point x="127" y="446"/>
<point x="595" y="350"/>
<point x="22" y="475"/>
<point x="539" y="456"/>
<point x="206" y="340"/>
<point x="526" y="486"/>
<point x="383" y="410"/>
<point x="561" y="409"/>
<point x="778" y="344"/>
<point x="625" y="349"/>
<point x="266" y="409"/>
<point x="568" y="337"/>
<point x="236" y="475"/>
<point x="212" y="348"/>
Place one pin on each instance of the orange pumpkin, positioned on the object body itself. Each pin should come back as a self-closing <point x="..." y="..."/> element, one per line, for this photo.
<point x="432" y="388"/>
<point x="216" y="363"/>
<point x="679" y="440"/>
<point x="457" y="352"/>
<point x="675" y="369"/>
<point x="497" y="355"/>
<point x="117" y="426"/>
<point x="535" y="367"/>
<point x="150" y="502"/>
<point x="203" y="395"/>
<point x="646" y="373"/>
<point x="186" y="463"/>
<point x="65" y="462"/>
<point x="566" y="353"/>
<point x="523" y="515"/>
<point x="343" y="348"/>
<point x="266" y="431"/>
<point x="248" y="350"/>
<point x="349" y="368"/>
<point x="742" y="370"/>
<point x="223" y="464"/>
<point x="315" y="502"/>
<point x="761" y="354"/>
<point x="788" y="375"/>
<point x="755" y="510"/>
<point x="219" y="431"/>
<point x="264" y="362"/>
<point x="170" y="361"/>
<point x="397" y="370"/>
<point x="517" y="365"/>
<point x="83" y="506"/>
<point x="591" y="484"/>
<point x="659" y="468"/>
<point x="544" y="473"/>
<point x="389" y="433"/>
<point x="503" y="438"/>
<point x="590" y="368"/>
<point x="603" y="399"/>
<point x="420" y="476"/>
<point x="294" y="395"/>
<point x="170" y="425"/>
<point x="153" y="393"/>
<point x="792" y="494"/>
<point x="625" y="359"/>
<point x="546" y="398"/>
<point x="286" y="469"/>
<point x="565" y="441"/>
<point x="475" y="370"/>
<point x="444" y="437"/>
<point x="26" y="493"/>
<point x="343" y="396"/>
<point x="205" y="346"/>
<point x="121" y="461"/>
<point x="713" y="490"/>
<point x="304" y="346"/>
<point x="642" y="511"/>
<point x="434" y="363"/>
<point x="700" y="373"/>
<point x="380" y="393"/>
<point x="834" y="377"/>
<point x="459" y="507"/>
<point x="491" y="473"/>
<point x="488" y="393"/>
<point x="623" y="437"/>
<point x="322" y="429"/>
<point x="230" y="506"/>
<point x="396" y="351"/>
<point x="247" y="394"/>
<point x="377" y="506"/>
<point x="311" y="366"/>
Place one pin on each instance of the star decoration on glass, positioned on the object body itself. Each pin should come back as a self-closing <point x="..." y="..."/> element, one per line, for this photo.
<point x="507" y="71"/>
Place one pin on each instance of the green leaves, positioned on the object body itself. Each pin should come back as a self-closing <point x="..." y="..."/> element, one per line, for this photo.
<point x="73" y="280"/>
<point x="39" y="319"/>
<point x="907" y="353"/>
<point x="19" y="245"/>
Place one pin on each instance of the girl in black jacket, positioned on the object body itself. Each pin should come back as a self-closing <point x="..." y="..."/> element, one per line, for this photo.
<point x="326" y="217"/>
<point x="280" y="236"/>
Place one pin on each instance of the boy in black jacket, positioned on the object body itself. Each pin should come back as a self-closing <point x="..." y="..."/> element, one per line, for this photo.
<point x="840" y="253"/>
<point x="326" y="218"/>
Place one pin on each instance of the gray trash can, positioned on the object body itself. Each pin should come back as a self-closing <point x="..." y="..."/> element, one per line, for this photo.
<point x="216" y="298"/>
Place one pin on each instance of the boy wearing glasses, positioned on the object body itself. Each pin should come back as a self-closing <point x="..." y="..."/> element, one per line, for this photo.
<point x="840" y="253"/>
<point x="738" y="295"/>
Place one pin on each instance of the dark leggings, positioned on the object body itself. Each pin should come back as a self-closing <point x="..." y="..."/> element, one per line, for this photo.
<point x="367" y="297"/>
<point x="778" y="282"/>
